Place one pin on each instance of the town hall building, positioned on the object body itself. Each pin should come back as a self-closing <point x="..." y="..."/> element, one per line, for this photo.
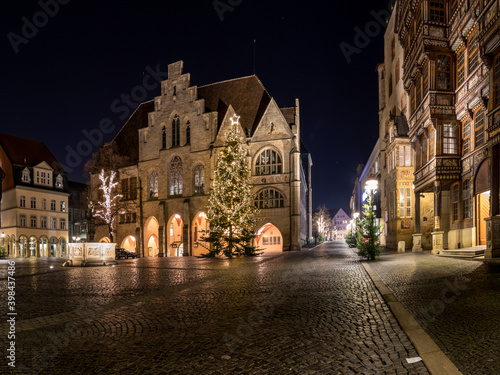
<point x="172" y="143"/>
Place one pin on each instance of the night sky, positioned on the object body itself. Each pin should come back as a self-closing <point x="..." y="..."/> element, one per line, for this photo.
<point x="65" y="78"/>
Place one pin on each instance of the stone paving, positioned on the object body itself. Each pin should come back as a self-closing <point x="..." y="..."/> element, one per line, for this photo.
<point x="309" y="312"/>
<point x="456" y="301"/>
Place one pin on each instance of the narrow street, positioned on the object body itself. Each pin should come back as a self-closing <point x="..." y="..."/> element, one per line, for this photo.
<point x="309" y="312"/>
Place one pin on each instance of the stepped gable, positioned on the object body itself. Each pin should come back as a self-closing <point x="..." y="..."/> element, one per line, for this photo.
<point x="246" y="95"/>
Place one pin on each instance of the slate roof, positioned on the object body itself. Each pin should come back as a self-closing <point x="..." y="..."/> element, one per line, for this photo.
<point x="247" y="95"/>
<point x="401" y="125"/>
<point x="28" y="153"/>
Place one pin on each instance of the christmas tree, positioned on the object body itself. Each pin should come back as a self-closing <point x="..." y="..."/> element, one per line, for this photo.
<point x="231" y="209"/>
<point x="367" y="240"/>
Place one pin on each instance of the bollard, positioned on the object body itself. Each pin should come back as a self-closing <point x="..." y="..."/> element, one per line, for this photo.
<point x="401" y="246"/>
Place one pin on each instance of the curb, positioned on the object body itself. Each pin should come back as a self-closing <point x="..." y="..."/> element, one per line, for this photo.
<point x="434" y="359"/>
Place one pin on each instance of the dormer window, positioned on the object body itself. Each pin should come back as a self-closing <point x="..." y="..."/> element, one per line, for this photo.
<point x="26" y="176"/>
<point x="59" y="182"/>
<point x="43" y="178"/>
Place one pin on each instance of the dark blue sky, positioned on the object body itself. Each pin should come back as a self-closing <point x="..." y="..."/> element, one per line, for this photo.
<point x="67" y="73"/>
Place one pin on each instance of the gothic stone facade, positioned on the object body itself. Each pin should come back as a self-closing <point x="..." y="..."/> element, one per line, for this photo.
<point x="174" y="141"/>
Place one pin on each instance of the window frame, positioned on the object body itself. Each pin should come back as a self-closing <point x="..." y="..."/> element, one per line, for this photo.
<point x="466" y="137"/>
<point x="479" y="127"/>
<point x="175" y="180"/>
<point x="466" y="199"/>
<point x="442" y="73"/>
<point x="453" y="138"/>
<point x="199" y="179"/>
<point x="264" y="165"/>
<point x="455" y="202"/>
<point x="460" y="66"/>
<point x="437" y="11"/>
<point x="269" y="198"/>
<point x="473" y="52"/>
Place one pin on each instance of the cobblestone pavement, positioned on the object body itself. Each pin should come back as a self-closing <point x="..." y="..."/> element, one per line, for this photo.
<point x="309" y="312"/>
<point x="456" y="301"/>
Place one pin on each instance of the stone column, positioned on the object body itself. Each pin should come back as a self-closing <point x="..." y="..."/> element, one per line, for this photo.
<point x="295" y="201"/>
<point x="437" y="206"/>
<point x="437" y="242"/>
<point x="417" y="236"/>
<point x="138" y="240"/>
<point x="161" y="242"/>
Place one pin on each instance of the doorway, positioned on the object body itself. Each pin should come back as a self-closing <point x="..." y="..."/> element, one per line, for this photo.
<point x="483" y="211"/>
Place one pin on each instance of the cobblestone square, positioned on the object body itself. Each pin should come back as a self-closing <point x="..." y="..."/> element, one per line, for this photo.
<point x="309" y="312"/>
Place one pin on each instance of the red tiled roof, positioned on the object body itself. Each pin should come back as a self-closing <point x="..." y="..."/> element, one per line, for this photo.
<point x="28" y="153"/>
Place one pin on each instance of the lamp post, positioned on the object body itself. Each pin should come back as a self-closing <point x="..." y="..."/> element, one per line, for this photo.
<point x="371" y="187"/>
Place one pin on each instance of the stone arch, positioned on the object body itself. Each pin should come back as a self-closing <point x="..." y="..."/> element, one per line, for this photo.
<point x="62" y="247"/>
<point x="43" y="242"/>
<point x="128" y="243"/>
<point x="23" y="246"/>
<point x="151" y="228"/>
<point x="175" y="235"/>
<point x="33" y="247"/>
<point x="54" y="244"/>
<point x="482" y="177"/>
<point x="200" y="223"/>
<point x="269" y="238"/>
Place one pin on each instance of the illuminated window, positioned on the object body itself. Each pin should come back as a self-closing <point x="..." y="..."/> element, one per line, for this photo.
<point x="59" y="182"/>
<point x="444" y="72"/>
<point x="404" y="202"/>
<point x="199" y="179"/>
<point x="460" y="66"/>
<point x="63" y="206"/>
<point x="176" y="176"/>
<point x="455" y="199"/>
<point x="466" y="137"/>
<point x="176" y="133"/>
<point x="269" y="198"/>
<point x="268" y="162"/>
<point x="408" y="202"/>
<point x="479" y="135"/>
<point x="449" y="139"/>
<point x="473" y="52"/>
<point x="404" y="156"/>
<point x="436" y="10"/>
<point x="466" y="199"/>
<point x="153" y="185"/>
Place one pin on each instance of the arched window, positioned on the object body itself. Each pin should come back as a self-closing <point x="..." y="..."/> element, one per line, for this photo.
<point x="188" y="133"/>
<point x="163" y="138"/>
<point x="176" y="176"/>
<point x="176" y="134"/>
<point x="269" y="198"/>
<point x="268" y="162"/>
<point x="153" y="185"/>
<point x="199" y="179"/>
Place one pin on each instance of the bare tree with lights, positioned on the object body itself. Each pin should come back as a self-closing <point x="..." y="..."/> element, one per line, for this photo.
<point x="110" y="206"/>
<point x="321" y="220"/>
<point x="231" y="210"/>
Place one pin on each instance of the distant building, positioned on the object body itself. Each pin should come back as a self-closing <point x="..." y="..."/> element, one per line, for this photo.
<point x="173" y="142"/>
<point x="34" y="206"/>
<point x="338" y="227"/>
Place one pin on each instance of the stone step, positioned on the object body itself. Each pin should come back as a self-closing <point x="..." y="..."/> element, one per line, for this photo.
<point x="462" y="253"/>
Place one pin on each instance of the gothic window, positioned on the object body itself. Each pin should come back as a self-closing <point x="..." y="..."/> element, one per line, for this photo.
<point x="163" y="138"/>
<point x="444" y="72"/>
<point x="473" y="52"/>
<point x="460" y="66"/>
<point x="479" y="128"/>
<point x="199" y="179"/>
<point x="188" y="133"/>
<point x="268" y="162"/>
<point x="436" y="11"/>
<point x="269" y="198"/>
<point x="466" y="137"/>
<point x="449" y="139"/>
<point x="176" y="176"/>
<point x="176" y="134"/>
<point x="466" y="199"/>
<point x="153" y="185"/>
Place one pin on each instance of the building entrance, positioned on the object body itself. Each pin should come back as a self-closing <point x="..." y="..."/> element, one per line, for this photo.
<point x="483" y="211"/>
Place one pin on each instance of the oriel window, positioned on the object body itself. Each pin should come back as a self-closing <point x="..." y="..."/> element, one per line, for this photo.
<point x="444" y="72"/>
<point x="437" y="11"/>
<point x="466" y="137"/>
<point x="460" y="66"/>
<point x="479" y="134"/>
<point x="473" y="53"/>
<point x="449" y="139"/>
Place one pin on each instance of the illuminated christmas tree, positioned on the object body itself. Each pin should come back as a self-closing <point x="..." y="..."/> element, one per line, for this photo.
<point x="231" y="210"/>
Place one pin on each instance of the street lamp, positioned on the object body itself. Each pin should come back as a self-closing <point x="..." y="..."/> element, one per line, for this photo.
<point x="371" y="184"/>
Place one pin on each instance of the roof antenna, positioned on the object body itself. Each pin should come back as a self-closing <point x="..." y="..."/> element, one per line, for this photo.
<point x="254" y="53"/>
